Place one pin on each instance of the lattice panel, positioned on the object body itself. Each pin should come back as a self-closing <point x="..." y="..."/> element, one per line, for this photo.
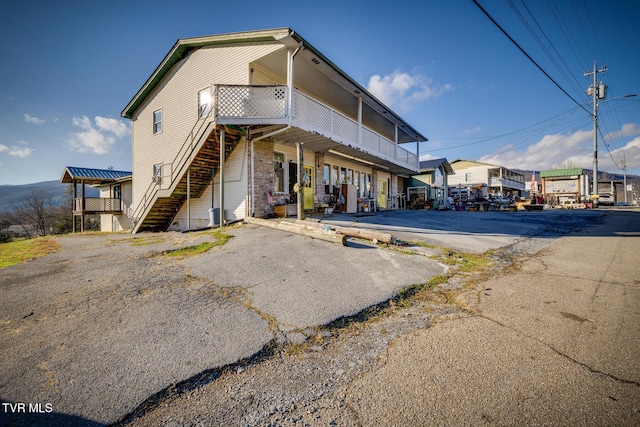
<point x="252" y="101"/>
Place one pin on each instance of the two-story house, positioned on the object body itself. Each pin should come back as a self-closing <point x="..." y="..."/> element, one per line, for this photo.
<point x="477" y="179"/>
<point x="237" y="123"/>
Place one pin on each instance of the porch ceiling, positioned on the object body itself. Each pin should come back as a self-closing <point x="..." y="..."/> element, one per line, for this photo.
<point x="318" y="143"/>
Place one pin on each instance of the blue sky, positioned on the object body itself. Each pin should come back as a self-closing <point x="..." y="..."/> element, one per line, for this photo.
<point x="70" y="67"/>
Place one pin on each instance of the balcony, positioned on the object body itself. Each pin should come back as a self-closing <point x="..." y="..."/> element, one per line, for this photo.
<point x="322" y="127"/>
<point x="496" y="181"/>
<point x="96" y="205"/>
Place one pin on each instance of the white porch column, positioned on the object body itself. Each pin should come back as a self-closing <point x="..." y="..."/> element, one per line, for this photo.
<point x="222" y="142"/>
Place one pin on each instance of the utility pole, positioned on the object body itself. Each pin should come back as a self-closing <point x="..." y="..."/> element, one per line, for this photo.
<point x="624" y="170"/>
<point x="598" y="92"/>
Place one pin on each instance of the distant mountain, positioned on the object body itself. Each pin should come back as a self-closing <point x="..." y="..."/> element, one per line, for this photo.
<point x="12" y="195"/>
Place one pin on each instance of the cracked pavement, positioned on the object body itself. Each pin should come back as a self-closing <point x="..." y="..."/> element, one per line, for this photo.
<point x="99" y="327"/>
<point x="551" y="341"/>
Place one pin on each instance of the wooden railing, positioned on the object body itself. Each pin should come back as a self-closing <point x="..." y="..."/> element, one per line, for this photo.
<point x="97" y="204"/>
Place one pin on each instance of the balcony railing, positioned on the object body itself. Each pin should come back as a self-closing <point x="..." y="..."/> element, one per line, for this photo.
<point x="239" y="103"/>
<point x="506" y="182"/>
<point x="97" y="205"/>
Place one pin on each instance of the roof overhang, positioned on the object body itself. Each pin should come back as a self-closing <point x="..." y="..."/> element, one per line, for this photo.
<point x="73" y="174"/>
<point x="288" y="38"/>
<point x="432" y="165"/>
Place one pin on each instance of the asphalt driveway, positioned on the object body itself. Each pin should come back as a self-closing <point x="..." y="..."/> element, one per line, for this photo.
<point x="90" y="332"/>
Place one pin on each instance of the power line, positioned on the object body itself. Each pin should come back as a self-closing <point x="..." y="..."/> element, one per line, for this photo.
<point x="557" y="118"/>
<point x="527" y="55"/>
<point x="566" y="71"/>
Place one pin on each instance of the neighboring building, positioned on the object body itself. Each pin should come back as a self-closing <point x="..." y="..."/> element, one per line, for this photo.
<point x="477" y="179"/>
<point x="430" y="184"/>
<point x="562" y="187"/>
<point x="611" y="192"/>
<point x="114" y="203"/>
<point x="231" y="108"/>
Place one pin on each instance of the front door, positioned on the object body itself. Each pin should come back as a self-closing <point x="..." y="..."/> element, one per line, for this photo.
<point x="307" y="183"/>
<point x="382" y="194"/>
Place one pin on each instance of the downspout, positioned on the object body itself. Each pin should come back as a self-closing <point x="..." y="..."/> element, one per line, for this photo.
<point x="290" y="58"/>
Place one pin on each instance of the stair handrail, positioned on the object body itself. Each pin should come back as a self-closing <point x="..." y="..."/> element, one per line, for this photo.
<point x="153" y="187"/>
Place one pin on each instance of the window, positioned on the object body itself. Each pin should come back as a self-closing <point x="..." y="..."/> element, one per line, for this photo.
<point x="327" y="179"/>
<point x="117" y="192"/>
<point x="467" y="177"/>
<point x="157" y="121"/>
<point x="204" y="102"/>
<point x="278" y="169"/>
<point x="157" y="173"/>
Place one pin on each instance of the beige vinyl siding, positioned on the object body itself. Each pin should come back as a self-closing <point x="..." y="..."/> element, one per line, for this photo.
<point x="262" y="76"/>
<point x="477" y="175"/>
<point x="120" y="222"/>
<point x="235" y="193"/>
<point x="177" y="96"/>
<point x="291" y="154"/>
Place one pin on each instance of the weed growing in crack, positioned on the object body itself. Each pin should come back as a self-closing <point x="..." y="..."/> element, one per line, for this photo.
<point x="220" y="239"/>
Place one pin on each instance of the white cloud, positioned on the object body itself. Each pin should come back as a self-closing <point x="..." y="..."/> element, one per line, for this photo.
<point x="574" y="149"/>
<point x="424" y="157"/>
<point x="403" y="90"/>
<point x="16" y="151"/>
<point x="118" y="128"/>
<point x="98" y="139"/>
<point x="33" y="119"/>
<point x="474" y="130"/>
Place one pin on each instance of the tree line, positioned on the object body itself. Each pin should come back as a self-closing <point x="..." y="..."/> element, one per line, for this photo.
<point x="36" y="215"/>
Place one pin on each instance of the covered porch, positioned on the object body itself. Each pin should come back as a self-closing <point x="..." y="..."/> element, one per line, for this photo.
<point x="83" y="205"/>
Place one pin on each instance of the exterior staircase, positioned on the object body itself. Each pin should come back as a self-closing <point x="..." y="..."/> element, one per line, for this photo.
<point x="163" y="201"/>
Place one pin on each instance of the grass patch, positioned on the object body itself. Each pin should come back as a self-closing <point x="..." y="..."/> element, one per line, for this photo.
<point x="220" y="239"/>
<point x="466" y="262"/>
<point x="20" y="251"/>
<point x="143" y="241"/>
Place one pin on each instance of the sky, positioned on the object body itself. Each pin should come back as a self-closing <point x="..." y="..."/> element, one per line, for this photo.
<point x="70" y="67"/>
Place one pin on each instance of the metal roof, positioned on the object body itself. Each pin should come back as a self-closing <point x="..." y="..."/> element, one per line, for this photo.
<point x="92" y="176"/>
<point x="561" y="172"/>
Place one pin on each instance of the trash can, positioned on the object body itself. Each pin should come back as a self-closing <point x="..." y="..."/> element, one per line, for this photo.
<point x="214" y="217"/>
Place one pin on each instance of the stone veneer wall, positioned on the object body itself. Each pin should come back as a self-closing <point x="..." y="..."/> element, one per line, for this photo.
<point x="263" y="179"/>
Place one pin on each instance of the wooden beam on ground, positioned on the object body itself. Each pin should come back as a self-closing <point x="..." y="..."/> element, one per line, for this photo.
<point x="290" y="227"/>
<point x="360" y="233"/>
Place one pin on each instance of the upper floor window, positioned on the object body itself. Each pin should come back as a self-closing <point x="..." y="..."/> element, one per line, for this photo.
<point x="204" y="102"/>
<point x="157" y="121"/>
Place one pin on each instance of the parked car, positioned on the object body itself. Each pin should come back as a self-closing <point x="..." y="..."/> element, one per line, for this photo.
<point x="606" y="200"/>
<point x="623" y="204"/>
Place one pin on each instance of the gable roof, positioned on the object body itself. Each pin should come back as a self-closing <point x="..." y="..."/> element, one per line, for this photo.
<point x="433" y="164"/>
<point x="468" y="163"/>
<point x="287" y="37"/>
<point x="93" y="176"/>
